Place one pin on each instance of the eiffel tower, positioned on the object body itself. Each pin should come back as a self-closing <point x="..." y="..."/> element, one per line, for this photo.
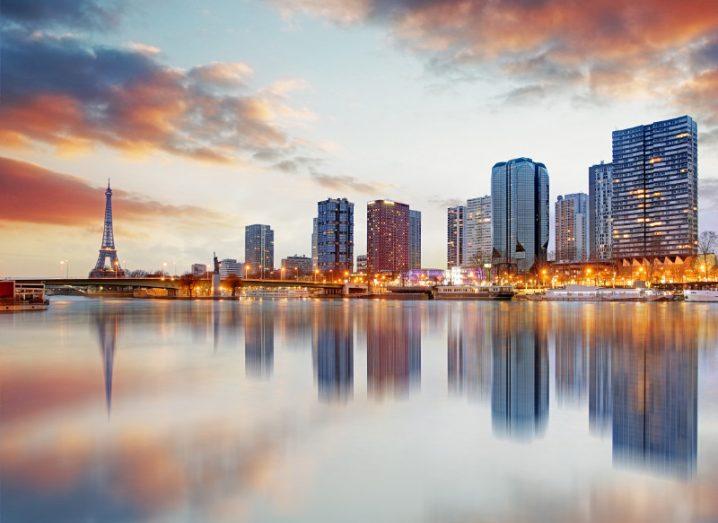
<point x="107" y="249"/>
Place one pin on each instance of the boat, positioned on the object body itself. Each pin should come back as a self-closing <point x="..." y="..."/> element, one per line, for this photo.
<point x="701" y="295"/>
<point x="471" y="292"/>
<point x="22" y="297"/>
<point x="591" y="293"/>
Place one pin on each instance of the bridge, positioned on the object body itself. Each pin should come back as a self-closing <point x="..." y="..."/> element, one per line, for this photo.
<point x="172" y="285"/>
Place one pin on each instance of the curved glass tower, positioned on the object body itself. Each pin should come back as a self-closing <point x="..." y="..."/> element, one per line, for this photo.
<point x="520" y="214"/>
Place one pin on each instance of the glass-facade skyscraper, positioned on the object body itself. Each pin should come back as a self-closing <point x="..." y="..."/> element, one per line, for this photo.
<point x="600" y="210"/>
<point x="520" y="213"/>
<point x="572" y="228"/>
<point x="259" y="247"/>
<point x="655" y="190"/>
<point x="414" y="239"/>
<point x="455" y="236"/>
<point x="335" y="235"/>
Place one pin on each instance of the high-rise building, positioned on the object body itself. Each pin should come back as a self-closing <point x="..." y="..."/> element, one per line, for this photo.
<point x="477" y="232"/>
<point x="572" y="228"/>
<point x="259" y="247"/>
<point x="519" y="213"/>
<point x="297" y="265"/>
<point x="414" y="239"/>
<point x="335" y="235"/>
<point x="387" y="236"/>
<point x="315" y="247"/>
<point x="230" y="267"/>
<point x="455" y="236"/>
<point x="600" y="195"/>
<point x="655" y="191"/>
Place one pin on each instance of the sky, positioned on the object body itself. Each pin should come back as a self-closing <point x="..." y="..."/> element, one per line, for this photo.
<point x="209" y="116"/>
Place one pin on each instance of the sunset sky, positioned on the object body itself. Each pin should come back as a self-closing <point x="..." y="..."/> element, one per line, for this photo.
<point x="212" y="115"/>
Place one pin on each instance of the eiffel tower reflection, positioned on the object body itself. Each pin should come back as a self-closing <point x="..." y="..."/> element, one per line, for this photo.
<point x="107" y="329"/>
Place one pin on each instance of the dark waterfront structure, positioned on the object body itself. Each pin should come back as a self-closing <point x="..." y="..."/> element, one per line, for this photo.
<point x="387" y="236"/>
<point x="107" y="249"/>
<point x="259" y="248"/>
<point x="655" y="191"/>
<point x="520" y="213"/>
<point x="600" y="209"/>
<point x="297" y="265"/>
<point x="414" y="239"/>
<point x="455" y="236"/>
<point x="335" y="235"/>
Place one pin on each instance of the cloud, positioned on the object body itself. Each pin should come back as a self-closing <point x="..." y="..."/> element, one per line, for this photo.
<point x="63" y="92"/>
<point x="708" y="193"/>
<point x="347" y="183"/>
<point x="606" y="49"/>
<point x="32" y="194"/>
<point x="445" y="203"/>
<point x="83" y="14"/>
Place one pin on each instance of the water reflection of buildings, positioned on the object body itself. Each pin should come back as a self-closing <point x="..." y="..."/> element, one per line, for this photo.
<point x="259" y="340"/>
<point x="393" y="348"/>
<point x="654" y="379"/>
<point x="519" y="392"/>
<point x="469" y="350"/>
<point x="107" y="325"/>
<point x="334" y="344"/>
<point x="572" y="347"/>
<point x="600" y="402"/>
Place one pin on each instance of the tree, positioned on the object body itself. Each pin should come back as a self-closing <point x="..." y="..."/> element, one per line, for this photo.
<point x="188" y="281"/>
<point x="707" y="243"/>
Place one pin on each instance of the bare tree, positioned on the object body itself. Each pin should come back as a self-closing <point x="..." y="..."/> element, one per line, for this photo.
<point x="707" y="243"/>
<point x="188" y="281"/>
<point x="233" y="281"/>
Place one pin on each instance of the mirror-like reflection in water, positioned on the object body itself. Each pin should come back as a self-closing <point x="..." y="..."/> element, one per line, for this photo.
<point x="359" y="411"/>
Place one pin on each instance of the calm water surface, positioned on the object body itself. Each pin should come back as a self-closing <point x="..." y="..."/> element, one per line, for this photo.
<point x="122" y="410"/>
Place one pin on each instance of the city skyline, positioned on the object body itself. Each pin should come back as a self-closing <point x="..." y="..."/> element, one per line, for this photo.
<point x="300" y="128"/>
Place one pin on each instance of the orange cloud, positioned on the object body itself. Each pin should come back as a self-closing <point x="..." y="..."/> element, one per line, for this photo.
<point x="32" y="194"/>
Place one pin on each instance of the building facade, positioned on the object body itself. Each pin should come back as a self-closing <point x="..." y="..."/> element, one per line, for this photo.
<point x="387" y="236"/>
<point x="361" y="263"/>
<point x="519" y="213"/>
<point x="315" y="247"/>
<point x="259" y="247"/>
<point x="414" y="239"/>
<point x="600" y="196"/>
<point x="477" y="232"/>
<point x="655" y="191"/>
<point x="572" y="228"/>
<point x="199" y="270"/>
<point x="297" y="265"/>
<point x="230" y="267"/>
<point x="455" y="236"/>
<point x="335" y="235"/>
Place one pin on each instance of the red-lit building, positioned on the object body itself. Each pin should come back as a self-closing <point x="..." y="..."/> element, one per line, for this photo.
<point x="387" y="236"/>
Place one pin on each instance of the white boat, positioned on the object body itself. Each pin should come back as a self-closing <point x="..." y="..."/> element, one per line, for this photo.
<point x="590" y="293"/>
<point x="701" y="295"/>
<point x="472" y="292"/>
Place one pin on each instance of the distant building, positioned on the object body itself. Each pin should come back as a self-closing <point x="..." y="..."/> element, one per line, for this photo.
<point x="199" y="270"/>
<point x="477" y="232"/>
<point x="455" y="236"/>
<point x="572" y="228"/>
<point x="361" y="263"/>
<point x="414" y="239"/>
<point x="387" y="236"/>
<point x="301" y="265"/>
<point x="259" y="247"/>
<point x="600" y="195"/>
<point x="335" y="235"/>
<point x="519" y="213"/>
<point x="655" y="191"/>
<point x="315" y="247"/>
<point x="230" y="267"/>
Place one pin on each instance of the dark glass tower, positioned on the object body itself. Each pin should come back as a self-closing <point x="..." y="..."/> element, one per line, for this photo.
<point x="335" y="235"/>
